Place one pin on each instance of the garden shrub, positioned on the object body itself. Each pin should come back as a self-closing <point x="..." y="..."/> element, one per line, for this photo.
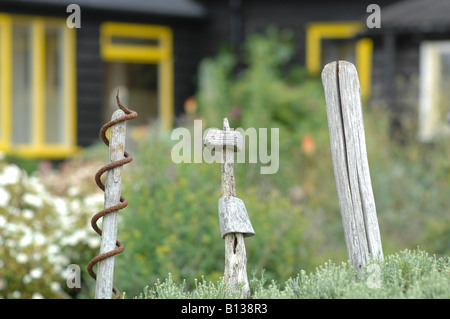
<point x="42" y="233"/>
<point x="406" y="274"/>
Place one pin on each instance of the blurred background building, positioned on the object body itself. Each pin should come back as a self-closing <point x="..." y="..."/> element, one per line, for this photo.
<point x="58" y="84"/>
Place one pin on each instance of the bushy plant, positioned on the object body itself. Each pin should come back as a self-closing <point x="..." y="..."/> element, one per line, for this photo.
<point x="203" y="289"/>
<point x="406" y="274"/>
<point x="411" y="187"/>
<point x="41" y="234"/>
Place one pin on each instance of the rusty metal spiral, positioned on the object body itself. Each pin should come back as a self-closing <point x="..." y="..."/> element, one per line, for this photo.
<point x="129" y="114"/>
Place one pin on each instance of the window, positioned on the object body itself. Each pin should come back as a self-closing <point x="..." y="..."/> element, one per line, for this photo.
<point x="330" y="41"/>
<point x="137" y="84"/>
<point x="139" y="62"/>
<point x="37" y="87"/>
<point x="338" y="49"/>
<point x="434" y="105"/>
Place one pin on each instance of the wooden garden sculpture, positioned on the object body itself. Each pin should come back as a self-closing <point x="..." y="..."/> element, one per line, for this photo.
<point x="233" y="218"/>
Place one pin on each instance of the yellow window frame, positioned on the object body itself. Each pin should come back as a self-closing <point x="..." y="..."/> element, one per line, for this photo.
<point x="160" y="53"/>
<point x="37" y="148"/>
<point x="317" y="31"/>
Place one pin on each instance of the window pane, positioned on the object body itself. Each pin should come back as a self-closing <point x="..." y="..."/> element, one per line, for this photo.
<point x="54" y="102"/>
<point x="337" y="49"/>
<point x="22" y="91"/>
<point x="134" y="41"/>
<point x="138" y="86"/>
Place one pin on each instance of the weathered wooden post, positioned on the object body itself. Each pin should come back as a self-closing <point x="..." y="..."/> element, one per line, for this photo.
<point x="105" y="270"/>
<point x="114" y="202"/>
<point x="351" y="168"/>
<point x="233" y="218"/>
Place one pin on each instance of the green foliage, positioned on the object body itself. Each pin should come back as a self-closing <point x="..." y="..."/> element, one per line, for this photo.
<point x="201" y="290"/>
<point x="171" y="223"/>
<point x="269" y="92"/>
<point x="288" y="97"/>
<point x="411" y="187"/>
<point x="407" y="274"/>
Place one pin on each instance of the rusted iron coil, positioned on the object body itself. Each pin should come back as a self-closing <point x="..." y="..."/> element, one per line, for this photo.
<point x="129" y="114"/>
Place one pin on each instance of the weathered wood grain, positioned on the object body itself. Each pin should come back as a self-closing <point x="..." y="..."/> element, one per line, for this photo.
<point x="235" y="274"/>
<point x="350" y="164"/>
<point x="105" y="272"/>
<point x="218" y="139"/>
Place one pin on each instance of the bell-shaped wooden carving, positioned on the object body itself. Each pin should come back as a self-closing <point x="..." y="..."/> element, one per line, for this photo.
<point x="233" y="217"/>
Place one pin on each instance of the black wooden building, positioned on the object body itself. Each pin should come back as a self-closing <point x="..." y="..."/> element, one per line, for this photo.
<point x="411" y="65"/>
<point x="57" y="83"/>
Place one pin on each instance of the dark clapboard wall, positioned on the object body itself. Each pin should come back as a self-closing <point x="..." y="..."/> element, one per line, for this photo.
<point x="90" y="82"/>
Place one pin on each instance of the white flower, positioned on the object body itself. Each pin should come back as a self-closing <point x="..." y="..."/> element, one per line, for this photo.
<point x="77" y="236"/>
<point x="10" y="175"/>
<point x="60" y="205"/>
<point x="33" y="200"/>
<point x="11" y="228"/>
<point x="94" y="242"/>
<point x="26" y="279"/>
<point x="36" y="272"/>
<point x="75" y="205"/>
<point x="73" y="191"/>
<point x="95" y="200"/>
<point x="55" y="286"/>
<point x="27" y="238"/>
<point x="39" y="239"/>
<point x="58" y="261"/>
<point x="35" y="183"/>
<point x="2" y="221"/>
<point x="22" y="258"/>
<point x="4" y="197"/>
<point x="53" y="249"/>
<point x="28" y="213"/>
<point x="37" y="295"/>
<point x="16" y="294"/>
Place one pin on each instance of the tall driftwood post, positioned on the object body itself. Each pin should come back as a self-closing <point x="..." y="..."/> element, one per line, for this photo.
<point x="105" y="270"/>
<point x="114" y="202"/>
<point x="233" y="218"/>
<point x="351" y="168"/>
